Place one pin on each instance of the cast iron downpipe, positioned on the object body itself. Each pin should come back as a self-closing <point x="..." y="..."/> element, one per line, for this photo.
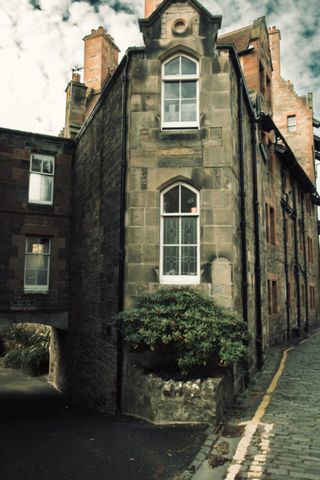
<point x="242" y="194"/>
<point x="285" y="247"/>
<point x="244" y="96"/>
<point x="121" y="265"/>
<point x="257" y="264"/>
<point x="306" y="325"/>
<point x="296" y="258"/>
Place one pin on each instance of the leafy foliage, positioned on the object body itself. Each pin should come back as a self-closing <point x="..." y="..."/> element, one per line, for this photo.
<point x="31" y="349"/>
<point x="202" y="332"/>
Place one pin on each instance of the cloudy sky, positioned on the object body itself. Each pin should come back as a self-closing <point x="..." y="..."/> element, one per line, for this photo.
<point x="41" y="40"/>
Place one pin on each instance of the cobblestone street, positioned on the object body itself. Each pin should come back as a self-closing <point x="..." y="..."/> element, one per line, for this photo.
<point x="286" y="443"/>
<point x="280" y="414"/>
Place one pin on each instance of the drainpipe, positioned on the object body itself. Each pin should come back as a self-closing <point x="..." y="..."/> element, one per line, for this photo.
<point x="285" y="247"/>
<point x="242" y="194"/>
<point x="296" y="259"/>
<point x="121" y="264"/>
<point x="257" y="264"/>
<point x="302" y="226"/>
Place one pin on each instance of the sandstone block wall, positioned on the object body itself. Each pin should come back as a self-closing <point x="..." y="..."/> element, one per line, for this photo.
<point x="88" y="351"/>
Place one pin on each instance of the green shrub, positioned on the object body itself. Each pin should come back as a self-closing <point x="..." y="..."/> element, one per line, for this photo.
<point x="31" y="350"/>
<point x="202" y="333"/>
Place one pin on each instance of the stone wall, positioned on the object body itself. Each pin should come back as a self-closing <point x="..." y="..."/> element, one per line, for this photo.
<point x="202" y="157"/>
<point x="168" y="401"/>
<point x="88" y="351"/>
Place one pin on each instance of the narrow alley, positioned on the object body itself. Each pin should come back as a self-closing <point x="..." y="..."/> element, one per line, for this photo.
<point x="43" y="438"/>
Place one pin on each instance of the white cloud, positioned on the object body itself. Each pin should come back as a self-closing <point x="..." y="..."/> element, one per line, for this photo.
<point x="38" y="49"/>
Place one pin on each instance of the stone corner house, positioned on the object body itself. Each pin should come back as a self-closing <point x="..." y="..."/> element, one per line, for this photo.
<point x="192" y="162"/>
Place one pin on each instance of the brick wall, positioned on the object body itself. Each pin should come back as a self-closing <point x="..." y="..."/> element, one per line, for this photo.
<point x="288" y="103"/>
<point x="20" y="218"/>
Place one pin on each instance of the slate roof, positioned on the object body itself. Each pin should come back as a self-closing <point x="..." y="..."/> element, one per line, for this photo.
<point x="239" y="38"/>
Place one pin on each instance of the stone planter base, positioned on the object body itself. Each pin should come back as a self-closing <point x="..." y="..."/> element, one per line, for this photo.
<point x="160" y="401"/>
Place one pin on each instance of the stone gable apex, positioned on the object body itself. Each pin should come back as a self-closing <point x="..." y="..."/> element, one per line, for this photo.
<point x="179" y="21"/>
<point x="145" y="22"/>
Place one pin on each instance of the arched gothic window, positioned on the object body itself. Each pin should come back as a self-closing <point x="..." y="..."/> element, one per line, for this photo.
<point x="180" y="93"/>
<point x="179" y="245"/>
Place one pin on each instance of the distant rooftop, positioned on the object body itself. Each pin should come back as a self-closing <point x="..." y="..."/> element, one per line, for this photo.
<point x="239" y="38"/>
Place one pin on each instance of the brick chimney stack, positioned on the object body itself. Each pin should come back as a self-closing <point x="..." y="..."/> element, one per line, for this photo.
<point x="75" y="106"/>
<point x="274" y="38"/>
<point x="150" y="6"/>
<point x="100" y="58"/>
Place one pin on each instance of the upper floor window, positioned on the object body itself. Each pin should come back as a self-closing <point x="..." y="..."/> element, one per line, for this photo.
<point x="37" y="260"/>
<point x="179" y="245"/>
<point x="180" y="95"/>
<point x="270" y="224"/>
<point x="310" y="250"/>
<point x="291" y="123"/>
<point x="272" y="285"/>
<point x="41" y="179"/>
<point x="312" y="295"/>
<point x="262" y="79"/>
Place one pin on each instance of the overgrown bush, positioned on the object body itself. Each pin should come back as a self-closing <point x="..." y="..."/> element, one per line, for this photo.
<point x="30" y="351"/>
<point x="202" y="333"/>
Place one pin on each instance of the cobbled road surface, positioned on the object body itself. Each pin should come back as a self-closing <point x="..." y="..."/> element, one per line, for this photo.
<point x="286" y="444"/>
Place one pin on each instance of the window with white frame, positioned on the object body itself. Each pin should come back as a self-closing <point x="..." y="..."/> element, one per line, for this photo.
<point x="180" y="93"/>
<point x="37" y="264"/>
<point x="291" y="123"/>
<point x="179" y="246"/>
<point x="41" y="179"/>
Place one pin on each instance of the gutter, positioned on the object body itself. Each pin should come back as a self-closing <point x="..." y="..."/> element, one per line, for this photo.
<point x="245" y="97"/>
<point x="257" y="264"/>
<point x="284" y="205"/>
<point x="306" y="325"/>
<point x="296" y="259"/>
<point x="121" y="261"/>
<point x="242" y="194"/>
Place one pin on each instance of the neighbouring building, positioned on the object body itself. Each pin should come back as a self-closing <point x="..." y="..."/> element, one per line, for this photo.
<point x="35" y="220"/>
<point x="191" y="162"/>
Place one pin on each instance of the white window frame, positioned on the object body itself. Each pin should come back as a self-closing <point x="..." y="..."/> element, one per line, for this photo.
<point x="291" y="123"/>
<point x="179" y="78"/>
<point x="36" y="288"/>
<point x="179" y="279"/>
<point x="42" y="175"/>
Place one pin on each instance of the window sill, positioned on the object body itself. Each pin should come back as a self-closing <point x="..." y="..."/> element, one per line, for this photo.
<point x="41" y="204"/>
<point x="175" y="280"/>
<point x="41" y="207"/>
<point x="35" y="291"/>
<point x="181" y="133"/>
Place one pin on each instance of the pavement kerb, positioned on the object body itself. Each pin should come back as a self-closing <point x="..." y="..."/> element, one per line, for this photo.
<point x="212" y="436"/>
<point x="213" y="432"/>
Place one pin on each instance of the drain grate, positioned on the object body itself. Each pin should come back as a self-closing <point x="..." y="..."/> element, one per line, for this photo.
<point x="232" y="431"/>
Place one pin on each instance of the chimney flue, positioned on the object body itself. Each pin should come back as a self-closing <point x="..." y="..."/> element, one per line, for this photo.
<point x="150" y="6"/>
<point x="100" y="57"/>
<point x="274" y="38"/>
